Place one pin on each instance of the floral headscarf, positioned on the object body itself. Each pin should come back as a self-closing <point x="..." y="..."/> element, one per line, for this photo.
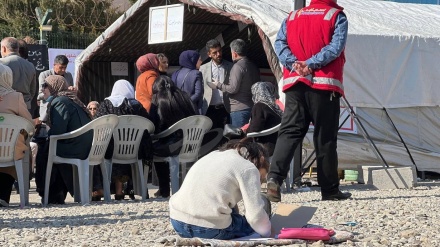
<point x="57" y="86"/>
<point x="264" y="92"/>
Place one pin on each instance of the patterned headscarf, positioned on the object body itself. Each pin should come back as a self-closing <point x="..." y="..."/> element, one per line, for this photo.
<point x="122" y="89"/>
<point x="57" y="86"/>
<point x="146" y="62"/>
<point x="5" y="80"/>
<point x="264" y="92"/>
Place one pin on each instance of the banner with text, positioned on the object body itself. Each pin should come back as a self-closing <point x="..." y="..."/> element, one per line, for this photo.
<point x="166" y="24"/>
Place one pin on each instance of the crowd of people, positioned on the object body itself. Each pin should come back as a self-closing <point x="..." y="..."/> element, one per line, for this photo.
<point x="227" y="92"/>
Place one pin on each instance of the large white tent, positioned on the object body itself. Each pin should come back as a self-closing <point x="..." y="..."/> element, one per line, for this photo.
<point x="392" y="61"/>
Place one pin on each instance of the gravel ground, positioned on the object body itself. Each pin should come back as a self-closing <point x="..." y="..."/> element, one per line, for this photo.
<point x="384" y="218"/>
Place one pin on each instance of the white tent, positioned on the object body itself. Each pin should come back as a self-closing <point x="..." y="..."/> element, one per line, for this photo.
<point x="391" y="54"/>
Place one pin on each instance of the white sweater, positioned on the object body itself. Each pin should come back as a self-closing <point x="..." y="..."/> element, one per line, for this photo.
<point x="213" y="186"/>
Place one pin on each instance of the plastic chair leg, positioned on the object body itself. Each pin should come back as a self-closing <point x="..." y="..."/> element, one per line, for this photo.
<point x="47" y="181"/>
<point x="76" y="188"/>
<point x="20" y="177"/>
<point x="105" y="182"/>
<point x="134" y="175"/>
<point x="174" y="173"/>
<point x="145" y="175"/>
<point x="109" y="166"/>
<point x="140" y="179"/>
<point x="84" y="176"/>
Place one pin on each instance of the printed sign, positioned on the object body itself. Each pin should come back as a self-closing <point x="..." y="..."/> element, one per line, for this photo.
<point x="119" y="68"/>
<point x="166" y="24"/>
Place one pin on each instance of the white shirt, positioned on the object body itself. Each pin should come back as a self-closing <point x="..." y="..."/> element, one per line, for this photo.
<point x="218" y="73"/>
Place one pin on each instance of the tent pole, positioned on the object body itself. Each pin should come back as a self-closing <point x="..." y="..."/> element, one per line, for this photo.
<point x="297" y="155"/>
<point x="364" y="131"/>
<point x="401" y="138"/>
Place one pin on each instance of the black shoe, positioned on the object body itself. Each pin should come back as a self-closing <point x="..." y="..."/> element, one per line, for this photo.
<point x="336" y="197"/>
<point x="273" y="190"/>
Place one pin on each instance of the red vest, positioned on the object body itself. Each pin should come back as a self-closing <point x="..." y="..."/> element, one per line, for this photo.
<point x="308" y="31"/>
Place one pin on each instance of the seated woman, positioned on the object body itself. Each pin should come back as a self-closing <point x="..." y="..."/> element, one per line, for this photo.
<point x="93" y="108"/>
<point x="121" y="102"/>
<point x="189" y="79"/>
<point x="169" y="105"/>
<point x="12" y="102"/>
<point x="265" y="113"/>
<point x="206" y="204"/>
<point x="65" y="113"/>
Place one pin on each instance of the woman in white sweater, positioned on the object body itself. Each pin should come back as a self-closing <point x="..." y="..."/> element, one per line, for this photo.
<point x="206" y="204"/>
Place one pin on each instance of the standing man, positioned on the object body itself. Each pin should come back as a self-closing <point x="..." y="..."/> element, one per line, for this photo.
<point x="23" y="71"/>
<point x="310" y="45"/>
<point x="243" y="75"/>
<point x="215" y="102"/>
<point x="59" y="68"/>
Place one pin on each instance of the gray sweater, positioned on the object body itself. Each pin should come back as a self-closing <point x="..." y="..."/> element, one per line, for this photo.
<point x="243" y="75"/>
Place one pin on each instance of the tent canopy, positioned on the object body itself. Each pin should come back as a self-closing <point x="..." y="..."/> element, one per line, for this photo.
<point x="392" y="61"/>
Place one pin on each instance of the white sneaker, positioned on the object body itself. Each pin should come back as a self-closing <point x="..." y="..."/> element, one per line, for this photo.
<point x="3" y="203"/>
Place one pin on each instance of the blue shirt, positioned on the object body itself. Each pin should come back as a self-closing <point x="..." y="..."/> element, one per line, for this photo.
<point x="327" y="54"/>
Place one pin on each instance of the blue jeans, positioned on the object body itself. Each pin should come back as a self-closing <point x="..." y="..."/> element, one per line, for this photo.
<point x="238" y="228"/>
<point x="240" y="118"/>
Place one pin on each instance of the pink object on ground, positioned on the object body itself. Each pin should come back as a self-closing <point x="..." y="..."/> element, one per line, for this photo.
<point x="306" y="233"/>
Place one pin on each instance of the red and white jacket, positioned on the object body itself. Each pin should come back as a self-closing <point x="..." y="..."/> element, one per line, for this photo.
<point x="308" y="31"/>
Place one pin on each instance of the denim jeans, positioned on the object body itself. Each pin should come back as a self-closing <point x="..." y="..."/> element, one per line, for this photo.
<point x="240" y="118"/>
<point x="238" y="228"/>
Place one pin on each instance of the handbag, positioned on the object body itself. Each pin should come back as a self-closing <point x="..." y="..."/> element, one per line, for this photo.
<point x="306" y="233"/>
<point x="232" y="132"/>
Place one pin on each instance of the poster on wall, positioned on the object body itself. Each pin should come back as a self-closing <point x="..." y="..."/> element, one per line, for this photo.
<point x="166" y="24"/>
<point x="71" y="54"/>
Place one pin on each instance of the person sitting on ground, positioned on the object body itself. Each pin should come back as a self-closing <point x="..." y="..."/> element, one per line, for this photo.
<point x="12" y="102"/>
<point x="121" y="102"/>
<point x="169" y="105"/>
<point x="148" y="66"/>
<point x="163" y="63"/>
<point x="206" y="204"/>
<point x="189" y="79"/>
<point x="93" y="107"/>
<point x="65" y="113"/>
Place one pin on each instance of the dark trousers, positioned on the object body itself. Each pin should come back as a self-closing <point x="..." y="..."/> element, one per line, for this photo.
<point x="6" y="182"/>
<point x="218" y="115"/>
<point x="305" y="105"/>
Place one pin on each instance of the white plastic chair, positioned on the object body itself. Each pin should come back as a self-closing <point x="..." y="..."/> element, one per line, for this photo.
<point x="127" y="137"/>
<point x="194" y="128"/>
<point x="102" y="132"/>
<point x="207" y="147"/>
<point x="10" y="127"/>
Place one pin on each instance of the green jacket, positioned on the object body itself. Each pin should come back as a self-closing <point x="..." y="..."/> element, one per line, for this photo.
<point x="67" y="116"/>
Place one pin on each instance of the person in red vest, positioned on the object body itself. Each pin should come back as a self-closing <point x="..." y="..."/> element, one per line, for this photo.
<point x="310" y="44"/>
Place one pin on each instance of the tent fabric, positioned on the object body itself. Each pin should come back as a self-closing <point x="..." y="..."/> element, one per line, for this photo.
<point x="392" y="52"/>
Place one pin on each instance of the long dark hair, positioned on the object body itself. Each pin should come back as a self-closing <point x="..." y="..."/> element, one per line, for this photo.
<point x="172" y="103"/>
<point x="253" y="151"/>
